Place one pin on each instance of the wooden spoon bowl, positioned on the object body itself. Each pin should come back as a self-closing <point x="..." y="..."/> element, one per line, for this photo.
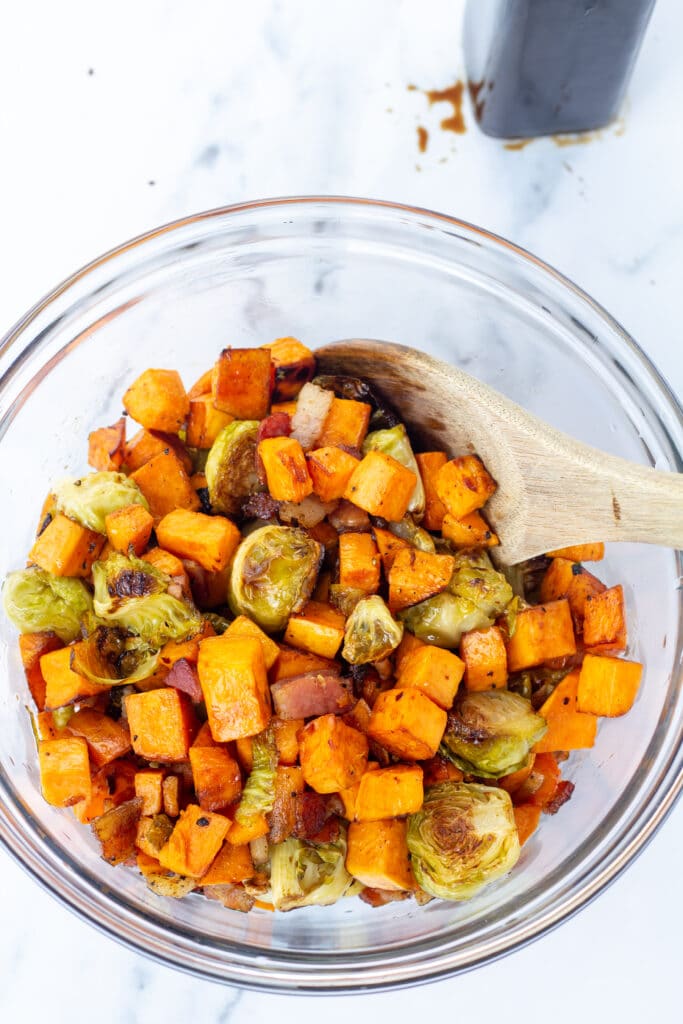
<point x="552" y="490"/>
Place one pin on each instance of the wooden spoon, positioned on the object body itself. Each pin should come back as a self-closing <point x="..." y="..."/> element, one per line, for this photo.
<point x="552" y="490"/>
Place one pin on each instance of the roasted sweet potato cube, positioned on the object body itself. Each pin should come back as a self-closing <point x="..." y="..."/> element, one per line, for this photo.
<point x="144" y="445"/>
<point x="608" y="686"/>
<point x="196" y="839"/>
<point x="64" y="770"/>
<point x="349" y="796"/>
<point x="148" y="787"/>
<point x="569" y="579"/>
<point x="242" y="626"/>
<point x="106" y="447"/>
<point x="433" y="671"/>
<point x="211" y="541"/>
<point x="116" y="831"/>
<point x="204" y="737"/>
<point x="170" y="796"/>
<point x="294" y="366"/>
<point x="287" y="739"/>
<point x="527" y="817"/>
<point x="388" y="546"/>
<point x="232" y="673"/>
<point x="464" y="485"/>
<point x="166" y="485"/>
<point x="345" y="424"/>
<point x="203" y="385"/>
<point x="160" y="723"/>
<point x="389" y="793"/>
<point x="542" y="633"/>
<point x="407" y="723"/>
<point x="333" y="755"/>
<point x="63" y="685"/>
<point x="568" y="728"/>
<point x="243" y="382"/>
<point x="472" y="531"/>
<point x="408" y="644"/>
<point x="172" y="566"/>
<point x="377" y="854"/>
<point x="217" y="777"/>
<point x="580" y="553"/>
<point x="129" y="529"/>
<point x="285" y="467"/>
<point x="32" y="646"/>
<point x="485" y="657"/>
<point x="604" y="623"/>
<point x="293" y="662"/>
<point x="158" y="401"/>
<point x="416" y="575"/>
<point x="359" y="562"/>
<point x="66" y="548"/>
<point x="289" y="783"/>
<point x="330" y="470"/>
<point x="152" y="833"/>
<point x="429" y="464"/>
<point x="205" y="421"/>
<point x="107" y="740"/>
<point x="231" y="865"/>
<point x="319" y="628"/>
<point x="289" y="408"/>
<point x="254" y="828"/>
<point x="45" y="727"/>
<point x="381" y="486"/>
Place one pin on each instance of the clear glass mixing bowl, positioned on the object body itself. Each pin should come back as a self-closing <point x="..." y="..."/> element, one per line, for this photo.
<point x="324" y="269"/>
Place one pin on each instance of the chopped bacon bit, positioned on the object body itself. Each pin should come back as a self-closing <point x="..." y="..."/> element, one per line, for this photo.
<point x="562" y="794"/>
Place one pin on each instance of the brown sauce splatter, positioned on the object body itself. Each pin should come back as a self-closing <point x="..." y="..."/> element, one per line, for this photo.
<point x="422" y="138"/>
<point x="453" y="94"/>
<point x="517" y="144"/>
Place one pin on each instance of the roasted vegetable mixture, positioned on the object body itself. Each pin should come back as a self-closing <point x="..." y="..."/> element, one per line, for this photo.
<point x="271" y="660"/>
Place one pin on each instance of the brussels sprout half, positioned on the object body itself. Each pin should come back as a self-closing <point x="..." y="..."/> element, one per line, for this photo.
<point x="490" y="733"/>
<point x="395" y="442"/>
<point x="231" y="467"/>
<point x="371" y="632"/>
<point x="131" y="593"/>
<point x="464" y="837"/>
<point x="110" y="657"/>
<point x="407" y="529"/>
<point x="258" y="795"/>
<point x="273" y="574"/>
<point x="37" y="602"/>
<point x="90" y="499"/>
<point x="304" y="874"/>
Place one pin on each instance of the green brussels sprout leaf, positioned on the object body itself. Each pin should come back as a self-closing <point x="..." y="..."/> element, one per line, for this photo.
<point x="490" y="733"/>
<point x="304" y="874"/>
<point x="231" y="467"/>
<point x="37" y="602"/>
<point x="90" y="499"/>
<point x="371" y="632"/>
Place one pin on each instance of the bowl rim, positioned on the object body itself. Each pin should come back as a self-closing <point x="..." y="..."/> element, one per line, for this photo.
<point x="122" y="922"/>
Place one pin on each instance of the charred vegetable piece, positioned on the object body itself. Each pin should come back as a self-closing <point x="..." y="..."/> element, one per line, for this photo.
<point x="464" y="837"/>
<point x="273" y="574"/>
<point x="354" y="389"/>
<point x="294" y="366"/>
<point x="109" y="656"/>
<point x="304" y="874"/>
<point x="230" y="467"/>
<point x="371" y="632"/>
<point x="491" y="733"/>
<point x="37" y="602"/>
<point x="90" y="499"/>
<point x="395" y="442"/>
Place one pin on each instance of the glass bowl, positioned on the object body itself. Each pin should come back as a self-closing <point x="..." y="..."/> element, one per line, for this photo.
<point x="326" y="269"/>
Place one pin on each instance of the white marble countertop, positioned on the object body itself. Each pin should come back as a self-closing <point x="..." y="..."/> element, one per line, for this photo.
<point x="115" y="119"/>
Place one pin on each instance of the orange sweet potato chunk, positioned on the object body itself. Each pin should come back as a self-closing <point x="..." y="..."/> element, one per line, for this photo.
<point x="242" y="626"/>
<point x="293" y="662"/>
<point x="408" y="644"/>
<point x="381" y="486"/>
<point x="472" y="531"/>
<point x="129" y="529"/>
<point x="66" y="548"/>
<point x="389" y="793"/>
<point x="205" y="421"/>
<point x="416" y="575"/>
<point x="232" y="674"/>
<point x="604" y="624"/>
<point x="285" y="467"/>
<point x="106" y="446"/>
<point x="485" y="657"/>
<point x="345" y="424"/>
<point x="464" y="485"/>
<point x="527" y="818"/>
<point x="144" y="445"/>
<point x="217" y="777"/>
<point x="407" y="723"/>
<point x="333" y="755"/>
<point x="286" y="732"/>
<point x="289" y="784"/>
<point x="319" y="628"/>
<point x="543" y="632"/>
<point x="243" y="382"/>
<point x="32" y="646"/>
<point x="568" y="728"/>
<point x="160" y="723"/>
<point x="359" y="562"/>
<point x="388" y="546"/>
<point x="166" y="485"/>
<point x="608" y="686"/>
<point x="330" y="470"/>
<point x="569" y="579"/>
<point x="195" y="841"/>
<point x="377" y="854"/>
<point x="429" y="464"/>
<point x="433" y="671"/>
<point x="63" y="685"/>
<point x="231" y="865"/>
<point x="580" y="553"/>
<point x="211" y="541"/>
<point x="107" y="740"/>
<point x="170" y="796"/>
<point x="64" y="771"/>
<point x="254" y="828"/>
<point x="148" y="785"/>
<point x="158" y="401"/>
<point x="294" y="366"/>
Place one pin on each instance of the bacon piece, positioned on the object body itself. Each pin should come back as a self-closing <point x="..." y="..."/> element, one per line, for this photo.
<point x="380" y="897"/>
<point x="562" y="794"/>
<point x="311" y="694"/>
<point x="260" y="506"/>
<point x="183" y="676"/>
<point x="311" y="813"/>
